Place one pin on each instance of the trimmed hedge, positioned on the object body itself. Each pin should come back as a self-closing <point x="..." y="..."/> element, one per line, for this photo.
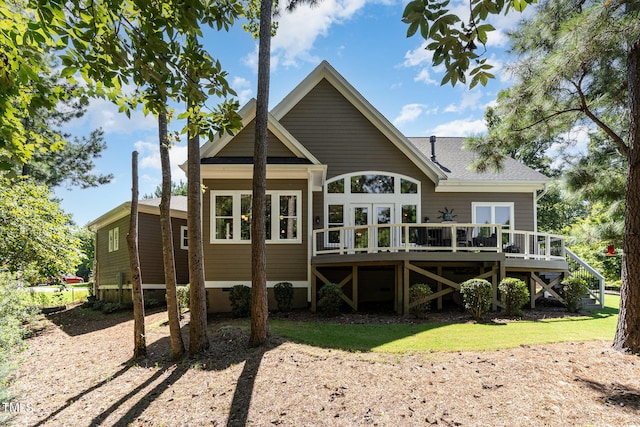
<point x="418" y="292"/>
<point x="514" y="294"/>
<point x="283" y="292"/>
<point x="329" y="300"/>
<point x="240" y="299"/>
<point x="477" y="295"/>
<point x="574" y="290"/>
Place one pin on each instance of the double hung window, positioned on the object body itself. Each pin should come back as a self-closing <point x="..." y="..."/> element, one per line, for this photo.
<point x="232" y="216"/>
<point x="114" y="239"/>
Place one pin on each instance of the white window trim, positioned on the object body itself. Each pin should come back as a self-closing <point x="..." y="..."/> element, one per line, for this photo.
<point x="184" y="239"/>
<point x="114" y="239"/>
<point x="275" y="216"/>
<point x="346" y="199"/>
<point x="493" y="206"/>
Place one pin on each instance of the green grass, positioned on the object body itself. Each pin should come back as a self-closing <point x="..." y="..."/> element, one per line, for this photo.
<point x="402" y="338"/>
<point x="53" y="299"/>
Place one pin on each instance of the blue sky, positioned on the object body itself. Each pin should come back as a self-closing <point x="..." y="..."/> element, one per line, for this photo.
<point x="364" y="40"/>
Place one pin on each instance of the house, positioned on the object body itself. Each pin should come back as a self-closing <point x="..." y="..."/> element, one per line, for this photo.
<point x="353" y="201"/>
<point x="112" y="270"/>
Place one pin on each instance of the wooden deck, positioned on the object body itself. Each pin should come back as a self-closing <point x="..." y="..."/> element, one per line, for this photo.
<point x="385" y="272"/>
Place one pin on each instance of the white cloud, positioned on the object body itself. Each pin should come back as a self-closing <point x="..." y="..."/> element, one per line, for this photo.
<point x="470" y="101"/>
<point x="242" y="87"/>
<point x="299" y="30"/>
<point x="465" y="127"/>
<point x="425" y="77"/>
<point x="149" y="154"/>
<point x="409" y="113"/>
<point x="418" y="56"/>
<point x="104" y="114"/>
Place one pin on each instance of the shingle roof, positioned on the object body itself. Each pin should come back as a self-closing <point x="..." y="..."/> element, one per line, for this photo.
<point x="178" y="203"/>
<point x="454" y="160"/>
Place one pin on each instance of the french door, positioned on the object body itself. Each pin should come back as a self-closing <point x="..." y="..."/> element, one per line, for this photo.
<point x="364" y="214"/>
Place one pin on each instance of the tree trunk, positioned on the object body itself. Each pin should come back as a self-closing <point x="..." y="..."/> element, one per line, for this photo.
<point x="628" y="332"/>
<point x="259" y="299"/>
<point x="139" y="343"/>
<point x="198" y="340"/>
<point x="168" y="257"/>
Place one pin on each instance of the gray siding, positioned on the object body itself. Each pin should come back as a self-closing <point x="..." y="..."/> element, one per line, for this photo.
<point x="232" y="262"/>
<point x="242" y="144"/>
<point x="333" y="130"/>
<point x="110" y="264"/>
<point x="150" y="248"/>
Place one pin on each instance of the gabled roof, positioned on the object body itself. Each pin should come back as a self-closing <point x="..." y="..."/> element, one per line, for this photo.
<point x="149" y="206"/>
<point x="327" y="72"/>
<point x="248" y="113"/>
<point x="455" y="161"/>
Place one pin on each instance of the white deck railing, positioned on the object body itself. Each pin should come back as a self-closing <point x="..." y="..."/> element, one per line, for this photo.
<point x="453" y="237"/>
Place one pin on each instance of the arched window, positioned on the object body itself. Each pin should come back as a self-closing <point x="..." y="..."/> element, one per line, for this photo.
<point x="371" y="197"/>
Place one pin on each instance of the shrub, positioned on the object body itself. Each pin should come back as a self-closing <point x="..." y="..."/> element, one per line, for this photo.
<point x="283" y="292"/>
<point x="152" y="302"/>
<point x="573" y="291"/>
<point x="514" y="294"/>
<point x="240" y="299"/>
<point x="418" y="292"/>
<point x="183" y="295"/>
<point x="477" y="295"/>
<point x="329" y="299"/>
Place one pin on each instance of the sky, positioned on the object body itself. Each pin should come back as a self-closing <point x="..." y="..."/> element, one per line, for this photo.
<point x="364" y="40"/>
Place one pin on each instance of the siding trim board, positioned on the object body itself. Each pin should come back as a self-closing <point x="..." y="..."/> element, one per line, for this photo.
<point x="222" y="284"/>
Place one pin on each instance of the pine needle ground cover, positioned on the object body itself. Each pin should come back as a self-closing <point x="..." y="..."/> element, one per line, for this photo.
<point x="289" y="383"/>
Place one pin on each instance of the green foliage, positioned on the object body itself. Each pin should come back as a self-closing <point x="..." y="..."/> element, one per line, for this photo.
<point x="418" y="292"/>
<point x="514" y="295"/>
<point x="453" y="44"/>
<point x="594" y="253"/>
<point x="183" y="294"/>
<point x="59" y="298"/>
<point x="574" y="289"/>
<point x="559" y="209"/>
<point x="477" y="295"/>
<point x="240" y="299"/>
<point x="329" y="300"/>
<point x="105" y="307"/>
<point x="283" y="292"/>
<point x="35" y="231"/>
<point x="177" y="189"/>
<point x="16" y="310"/>
<point x="153" y="47"/>
<point x="88" y="250"/>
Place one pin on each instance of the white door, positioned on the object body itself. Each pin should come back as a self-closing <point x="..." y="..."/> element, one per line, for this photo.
<point x="364" y="214"/>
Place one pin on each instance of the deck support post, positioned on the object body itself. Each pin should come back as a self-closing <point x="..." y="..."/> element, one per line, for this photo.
<point x="397" y="304"/>
<point x="405" y="289"/>
<point x="532" y="291"/>
<point x="354" y="286"/>
<point x="439" y="302"/>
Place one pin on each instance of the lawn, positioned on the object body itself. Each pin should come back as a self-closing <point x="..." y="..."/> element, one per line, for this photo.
<point x="47" y="298"/>
<point x="407" y="338"/>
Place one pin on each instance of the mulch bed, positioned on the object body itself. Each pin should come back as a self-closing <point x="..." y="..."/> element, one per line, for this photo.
<point x="76" y="372"/>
